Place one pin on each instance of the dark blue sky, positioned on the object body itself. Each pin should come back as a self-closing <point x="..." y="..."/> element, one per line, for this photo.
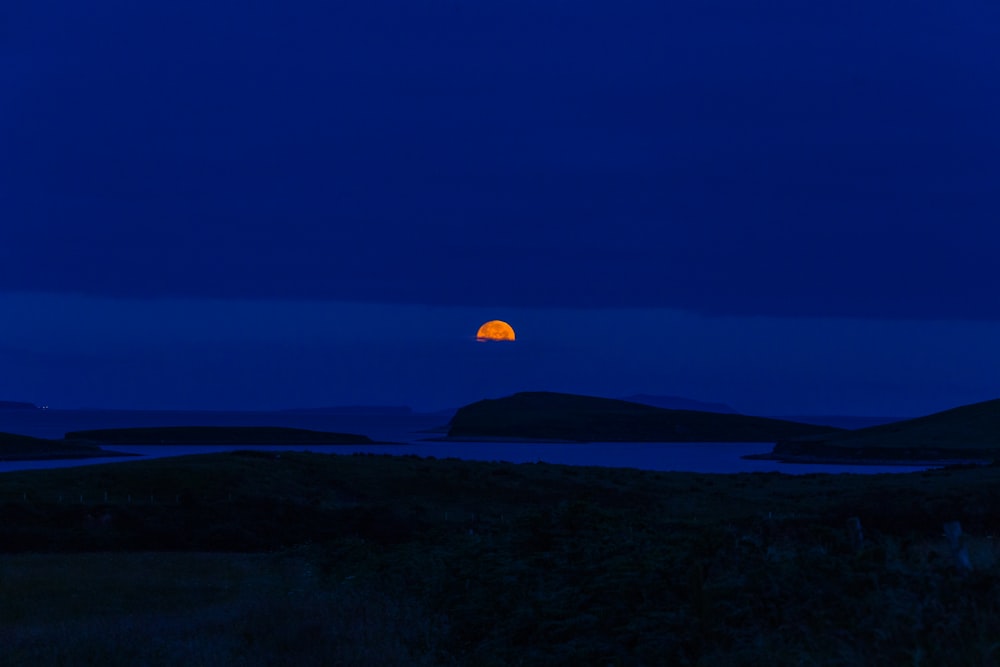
<point x="361" y="184"/>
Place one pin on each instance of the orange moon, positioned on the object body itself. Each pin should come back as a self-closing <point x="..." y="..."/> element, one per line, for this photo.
<point x="495" y="330"/>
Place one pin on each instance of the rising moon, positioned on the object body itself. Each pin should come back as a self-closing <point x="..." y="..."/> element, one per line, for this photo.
<point x="495" y="330"/>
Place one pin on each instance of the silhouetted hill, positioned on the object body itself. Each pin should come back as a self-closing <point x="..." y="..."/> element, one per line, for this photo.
<point x="217" y="435"/>
<point x="679" y="403"/>
<point x="25" y="448"/>
<point x="970" y="432"/>
<point x="553" y="416"/>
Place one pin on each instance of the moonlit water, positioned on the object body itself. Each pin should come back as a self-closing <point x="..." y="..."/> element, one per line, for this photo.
<point x="412" y="434"/>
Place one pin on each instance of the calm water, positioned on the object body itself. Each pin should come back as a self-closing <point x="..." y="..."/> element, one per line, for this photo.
<point x="410" y="431"/>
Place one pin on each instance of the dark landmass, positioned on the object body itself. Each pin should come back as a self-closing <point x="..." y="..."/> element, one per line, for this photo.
<point x="568" y="417"/>
<point x="256" y="560"/>
<point x="679" y="403"/>
<point x="357" y="410"/>
<point x="969" y="433"/>
<point x="17" y="405"/>
<point x="26" y="448"/>
<point x="850" y="422"/>
<point x="217" y="435"/>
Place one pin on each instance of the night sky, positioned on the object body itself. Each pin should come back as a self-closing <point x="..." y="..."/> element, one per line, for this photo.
<point x="791" y="207"/>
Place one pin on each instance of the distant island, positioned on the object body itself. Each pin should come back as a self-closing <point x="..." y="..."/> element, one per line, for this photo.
<point x="574" y="418"/>
<point x="355" y="410"/>
<point x="969" y="433"/>
<point x="18" y="405"/>
<point x="216" y="435"/>
<point x="26" y="448"/>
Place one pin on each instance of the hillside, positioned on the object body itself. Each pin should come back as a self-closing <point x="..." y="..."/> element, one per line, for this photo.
<point x="969" y="432"/>
<point x="24" y="448"/>
<point x="554" y="416"/>
<point x="217" y="435"/>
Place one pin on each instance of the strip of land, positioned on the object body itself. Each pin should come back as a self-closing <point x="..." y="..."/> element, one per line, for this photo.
<point x="26" y="448"/>
<point x="217" y="435"/>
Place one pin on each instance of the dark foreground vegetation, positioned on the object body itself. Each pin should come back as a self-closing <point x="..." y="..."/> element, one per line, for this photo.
<point x="554" y="416"/>
<point x="307" y="559"/>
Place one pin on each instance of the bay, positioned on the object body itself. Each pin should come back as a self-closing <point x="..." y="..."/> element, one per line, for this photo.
<point x="411" y="433"/>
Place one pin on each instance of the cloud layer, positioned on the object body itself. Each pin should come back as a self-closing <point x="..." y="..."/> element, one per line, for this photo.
<point x="825" y="159"/>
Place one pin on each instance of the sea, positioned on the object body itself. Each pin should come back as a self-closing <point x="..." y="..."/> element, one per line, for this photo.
<point x="413" y="434"/>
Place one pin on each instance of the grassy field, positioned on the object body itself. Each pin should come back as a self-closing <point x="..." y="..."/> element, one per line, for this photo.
<point x="249" y="559"/>
<point x="126" y="609"/>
